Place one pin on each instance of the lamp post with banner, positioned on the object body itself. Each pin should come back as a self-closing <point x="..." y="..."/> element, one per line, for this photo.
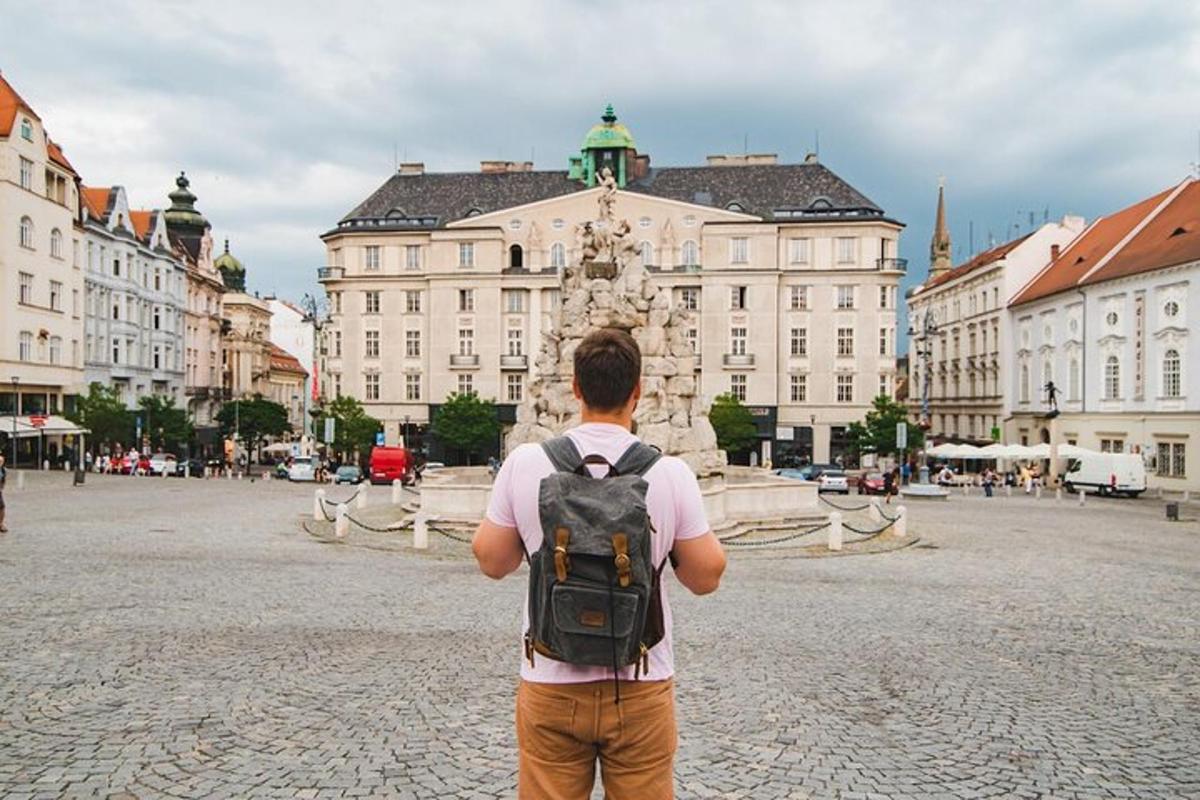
<point x="922" y="332"/>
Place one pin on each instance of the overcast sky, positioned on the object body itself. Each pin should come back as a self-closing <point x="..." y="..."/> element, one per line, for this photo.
<point x="285" y="115"/>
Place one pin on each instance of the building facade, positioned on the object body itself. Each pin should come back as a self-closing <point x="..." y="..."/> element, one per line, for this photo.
<point x="286" y="382"/>
<point x="41" y="276"/>
<point x="443" y="282"/>
<point x="294" y="331"/>
<point x="1109" y="324"/>
<point x="135" y="290"/>
<point x="960" y="353"/>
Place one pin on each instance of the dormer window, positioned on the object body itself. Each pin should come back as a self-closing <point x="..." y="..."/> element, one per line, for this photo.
<point x="735" y="206"/>
<point x="26" y="129"/>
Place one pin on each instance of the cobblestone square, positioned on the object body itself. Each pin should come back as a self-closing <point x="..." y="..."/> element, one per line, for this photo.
<point x="172" y="638"/>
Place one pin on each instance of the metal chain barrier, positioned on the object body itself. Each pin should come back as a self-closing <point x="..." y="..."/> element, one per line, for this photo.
<point x="776" y="540"/>
<point x="450" y="536"/>
<point x="374" y="529"/>
<point x="347" y="501"/>
<point x="827" y="502"/>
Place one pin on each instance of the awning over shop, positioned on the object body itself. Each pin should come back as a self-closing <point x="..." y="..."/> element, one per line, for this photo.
<point x="53" y="425"/>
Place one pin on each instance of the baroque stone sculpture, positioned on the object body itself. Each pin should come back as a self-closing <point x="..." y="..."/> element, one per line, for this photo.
<point x="609" y="288"/>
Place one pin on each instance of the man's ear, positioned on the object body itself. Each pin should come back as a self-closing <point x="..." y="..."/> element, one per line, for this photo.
<point x="637" y="394"/>
<point x="575" y="388"/>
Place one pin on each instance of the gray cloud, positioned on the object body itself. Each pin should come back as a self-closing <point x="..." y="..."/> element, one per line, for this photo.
<point x="286" y="115"/>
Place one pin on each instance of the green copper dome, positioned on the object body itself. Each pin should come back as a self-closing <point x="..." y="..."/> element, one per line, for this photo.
<point x="233" y="274"/>
<point x="608" y="133"/>
<point x="182" y="212"/>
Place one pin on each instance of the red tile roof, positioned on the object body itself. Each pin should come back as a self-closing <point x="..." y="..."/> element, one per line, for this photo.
<point x="283" y="360"/>
<point x="95" y="200"/>
<point x="1088" y="250"/>
<point x="55" y="154"/>
<point x="981" y="260"/>
<point x="141" y="223"/>
<point x="1171" y="237"/>
<point x="10" y="104"/>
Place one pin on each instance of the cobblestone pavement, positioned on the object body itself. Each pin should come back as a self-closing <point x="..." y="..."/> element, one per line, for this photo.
<point x="185" y="639"/>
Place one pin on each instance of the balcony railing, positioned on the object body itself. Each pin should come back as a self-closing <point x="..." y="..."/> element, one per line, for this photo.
<point x="460" y="361"/>
<point x="514" y="362"/>
<point x="891" y="264"/>
<point x="738" y="359"/>
<point x="330" y="273"/>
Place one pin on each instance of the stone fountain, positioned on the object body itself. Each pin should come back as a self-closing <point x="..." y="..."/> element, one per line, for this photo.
<point x="609" y="288"/>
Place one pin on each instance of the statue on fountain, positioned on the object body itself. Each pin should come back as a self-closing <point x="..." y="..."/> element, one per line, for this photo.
<point x="610" y="288"/>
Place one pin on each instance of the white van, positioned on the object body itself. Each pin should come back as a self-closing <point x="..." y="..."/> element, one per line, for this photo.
<point x="302" y="469"/>
<point x="1107" y="474"/>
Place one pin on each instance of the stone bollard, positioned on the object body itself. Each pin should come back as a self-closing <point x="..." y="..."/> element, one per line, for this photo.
<point x="319" y="505"/>
<point x="1082" y="496"/>
<point x="1058" y="494"/>
<point x="835" y="531"/>
<point x="360" y="499"/>
<point x="1037" y="492"/>
<point x="20" y="479"/>
<point x="228" y="474"/>
<point x="1187" y="496"/>
<point x="187" y="469"/>
<point x="239" y="475"/>
<point x="900" y="526"/>
<point x="341" y="522"/>
<point x="397" y="492"/>
<point x="46" y="465"/>
<point x="966" y="487"/>
<point x="1007" y="490"/>
<point x="1160" y="493"/>
<point x="421" y="532"/>
<point x="873" y="510"/>
<point x="164" y="472"/>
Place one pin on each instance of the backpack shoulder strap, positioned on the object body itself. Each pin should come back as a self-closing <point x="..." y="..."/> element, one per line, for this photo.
<point x="637" y="460"/>
<point x="563" y="454"/>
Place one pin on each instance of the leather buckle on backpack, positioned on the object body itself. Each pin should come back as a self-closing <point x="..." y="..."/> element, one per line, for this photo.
<point x="561" y="562"/>
<point x="621" y="549"/>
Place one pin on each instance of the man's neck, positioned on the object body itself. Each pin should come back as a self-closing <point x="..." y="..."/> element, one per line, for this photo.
<point x="623" y="420"/>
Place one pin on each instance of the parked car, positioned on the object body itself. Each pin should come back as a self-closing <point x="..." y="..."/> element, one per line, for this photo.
<point x="160" y="463"/>
<point x="1107" y="474"/>
<point x="302" y="469"/>
<point x="348" y="474"/>
<point x="193" y="467"/>
<point x="870" y="483"/>
<point x="389" y="463"/>
<point x="793" y="474"/>
<point x="833" y="480"/>
<point x="127" y="464"/>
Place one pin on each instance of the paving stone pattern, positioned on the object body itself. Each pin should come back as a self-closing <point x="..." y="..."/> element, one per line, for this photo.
<point x="186" y="639"/>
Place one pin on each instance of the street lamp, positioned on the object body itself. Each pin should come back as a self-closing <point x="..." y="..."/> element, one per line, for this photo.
<point x="923" y="336"/>
<point x="15" y="381"/>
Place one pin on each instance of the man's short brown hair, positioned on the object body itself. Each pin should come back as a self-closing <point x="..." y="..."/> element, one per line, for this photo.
<point x="608" y="365"/>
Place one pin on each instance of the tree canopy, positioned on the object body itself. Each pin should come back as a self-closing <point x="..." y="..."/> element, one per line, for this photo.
<point x="877" y="432"/>
<point x="103" y="413"/>
<point x="253" y="420"/>
<point x="733" y="423"/>
<point x="163" y="424"/>
<point x="353" y="428"/>
<point x="466" y="423"/>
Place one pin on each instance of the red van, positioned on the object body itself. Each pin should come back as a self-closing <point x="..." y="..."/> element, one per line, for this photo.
<point x="389" y="463"/>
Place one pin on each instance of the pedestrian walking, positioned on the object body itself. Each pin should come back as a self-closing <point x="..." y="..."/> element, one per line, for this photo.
<point x="889" y="485"/>
<point x="3" y="480"/>
<point x="597" y="677"/>
<point x="905" y="473"/>
<point x="989" y="481"/>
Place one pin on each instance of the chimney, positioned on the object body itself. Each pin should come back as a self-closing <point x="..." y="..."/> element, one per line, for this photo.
<point x="500" y="167"/>
<point x="742" y="159"/>
<point x="810" y="158"/>
<point x="1054" y="250"/>
<point x="411" y="168"/>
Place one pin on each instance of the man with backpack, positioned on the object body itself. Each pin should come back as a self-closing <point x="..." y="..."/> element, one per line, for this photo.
<point x="599" y="516"/>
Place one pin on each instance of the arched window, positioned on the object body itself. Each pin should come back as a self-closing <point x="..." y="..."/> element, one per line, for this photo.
<point x="647" y="254"/>
<point x="1112" y="378"/>
<point x="1073" y="386"/>
<point x="27" y="232"/>
<point x="1047" y="372"/>
<point x="558" y="255"/>
<point x="1170" y="373"/>
<point x="516" y="256"/>
<point x="1024" y="383"/>
<point x="56" y="243"/>
<point x="689" y="254"/>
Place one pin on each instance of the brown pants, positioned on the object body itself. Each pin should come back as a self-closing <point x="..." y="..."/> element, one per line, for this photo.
<point x="562" y="728"/>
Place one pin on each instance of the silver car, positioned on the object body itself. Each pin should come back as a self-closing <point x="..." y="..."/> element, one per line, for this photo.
<point x="302" y="469"/>
<point x="833" y="480"/>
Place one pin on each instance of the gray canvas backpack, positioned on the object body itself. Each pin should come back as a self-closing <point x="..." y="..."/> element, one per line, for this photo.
<point x="593" y="587"/>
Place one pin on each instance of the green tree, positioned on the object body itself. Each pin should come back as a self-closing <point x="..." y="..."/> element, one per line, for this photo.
<point x="103" y="413"/>
<point x="164" y="424"/>
<point x="877" y="432"/>
<point x="466" y="423"/>
<point x="353" y="428"/>
<point x="253" y="420"/>
<point x="733" y="423"/>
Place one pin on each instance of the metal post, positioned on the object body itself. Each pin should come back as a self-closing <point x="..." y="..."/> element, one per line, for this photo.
<point x="1037" y="492"/>
<point x="835" y="531"/>
<point x="1082" y="496"/>
<point x="16" y="405"/>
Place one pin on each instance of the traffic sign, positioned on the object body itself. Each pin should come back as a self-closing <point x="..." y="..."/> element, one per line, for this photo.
<point x="329" y="421"/>
<point x="379" y="440"/>
<point x="901" y="435"/>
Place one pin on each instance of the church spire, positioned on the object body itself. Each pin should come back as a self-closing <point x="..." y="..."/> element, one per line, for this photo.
<point x="939" y="246"/>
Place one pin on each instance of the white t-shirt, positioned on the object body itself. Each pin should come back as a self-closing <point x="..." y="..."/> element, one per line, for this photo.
<point x="672" y="500"/>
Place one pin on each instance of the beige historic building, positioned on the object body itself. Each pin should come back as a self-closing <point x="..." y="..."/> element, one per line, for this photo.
<point x="135" y="290"/>
<point x="41" y="275"/>
<point x="960" y="355"/>
<point x="442" y="282"/>
<point x="247" y="353"/>
<point x="1110" y="323"/>
<point x="286" y="383"/>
